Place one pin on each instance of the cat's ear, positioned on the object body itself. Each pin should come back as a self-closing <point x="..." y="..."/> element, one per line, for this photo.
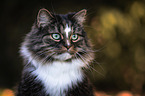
<point x="44" y="17"/>
<point x="80" y="16"/>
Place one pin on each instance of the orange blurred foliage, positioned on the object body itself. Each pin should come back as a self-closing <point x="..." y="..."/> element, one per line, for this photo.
<point x="7" y="92"/>
<point x="101" y="94"/>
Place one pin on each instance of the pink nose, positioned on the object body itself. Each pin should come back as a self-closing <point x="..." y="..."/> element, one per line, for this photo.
<point x="68" y="48"/>
<point x="67" y="44"/>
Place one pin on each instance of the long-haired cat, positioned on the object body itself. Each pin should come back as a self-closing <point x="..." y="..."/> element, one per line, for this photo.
<point x="55" y="52"/>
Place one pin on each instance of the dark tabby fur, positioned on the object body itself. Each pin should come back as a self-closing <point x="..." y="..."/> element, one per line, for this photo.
<point x="52" y="36"/>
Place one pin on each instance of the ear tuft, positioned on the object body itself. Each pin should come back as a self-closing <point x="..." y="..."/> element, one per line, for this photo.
<point x="80" y="16"/>
<point x="44" y="17"/>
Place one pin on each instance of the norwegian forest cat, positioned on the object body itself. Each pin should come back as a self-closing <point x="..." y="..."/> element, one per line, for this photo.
<point x="55" y="52"/>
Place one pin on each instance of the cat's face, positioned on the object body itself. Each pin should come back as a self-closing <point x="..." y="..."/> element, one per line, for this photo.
<point x="66" y="43"/>
<point x="59" y="37"/>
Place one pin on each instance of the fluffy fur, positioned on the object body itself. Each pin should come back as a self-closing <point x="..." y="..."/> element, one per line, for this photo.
<point x="53" y="66"/>
<point x="59" y="77"/>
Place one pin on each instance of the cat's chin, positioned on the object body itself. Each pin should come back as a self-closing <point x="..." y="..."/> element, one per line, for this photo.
<point x="64" y="56"/>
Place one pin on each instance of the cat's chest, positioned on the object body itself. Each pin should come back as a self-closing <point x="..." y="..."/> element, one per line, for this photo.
<point x="58" y="77"/>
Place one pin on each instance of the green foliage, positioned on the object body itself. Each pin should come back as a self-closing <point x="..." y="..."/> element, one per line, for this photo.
<point x="123" y="35"/>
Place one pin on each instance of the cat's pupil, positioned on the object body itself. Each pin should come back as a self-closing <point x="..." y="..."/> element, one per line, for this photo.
<point x="55" y="36"/>
<point x="74" y="37"/>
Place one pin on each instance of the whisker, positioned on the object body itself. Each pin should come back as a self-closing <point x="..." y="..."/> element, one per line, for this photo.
<point x="97" y="71"/>
<point x="83" y="51"/>
<point x="83" y="67"/>
<point x="81" y="57"/>
<point x="88" y="50"/>
<point x="36" y="56"/>
<point x="89" y="67"/>
<point x="99" y="65"/>
<point x="45" y="59"/>
<point x="93" y="61"/>
<point x="100" y="49"/>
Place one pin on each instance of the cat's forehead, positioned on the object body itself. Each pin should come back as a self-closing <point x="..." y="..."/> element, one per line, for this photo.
<point x="64" y="25"/>
<point x="67" y="30"/>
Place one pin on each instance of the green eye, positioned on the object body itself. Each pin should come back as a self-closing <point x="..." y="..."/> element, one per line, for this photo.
<point x="55" y="36"/>
<point x="74" y="37"/>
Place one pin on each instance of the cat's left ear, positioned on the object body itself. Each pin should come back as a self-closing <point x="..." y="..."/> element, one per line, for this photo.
<point x="44" y="17"/>
<point x="80" y="16"/>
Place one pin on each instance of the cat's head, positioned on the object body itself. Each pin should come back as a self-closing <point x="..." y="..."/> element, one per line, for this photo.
<point x="58" y="37"/>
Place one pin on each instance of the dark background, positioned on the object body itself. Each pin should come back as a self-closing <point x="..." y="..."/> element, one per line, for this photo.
<point x="116" y="28"/>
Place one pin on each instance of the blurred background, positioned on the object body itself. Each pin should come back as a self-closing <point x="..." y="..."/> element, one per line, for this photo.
<point x="115" y="27"/>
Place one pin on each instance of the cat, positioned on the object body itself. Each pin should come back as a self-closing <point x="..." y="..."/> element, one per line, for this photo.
<point x="55" y="53"/>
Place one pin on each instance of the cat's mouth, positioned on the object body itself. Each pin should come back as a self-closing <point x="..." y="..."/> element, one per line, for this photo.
<point x="64" y="56"/>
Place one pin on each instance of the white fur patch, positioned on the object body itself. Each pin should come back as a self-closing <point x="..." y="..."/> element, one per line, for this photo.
<point x="67" y="30"/>
<point x="63" y="56"/>
<point x="59" y="76"/>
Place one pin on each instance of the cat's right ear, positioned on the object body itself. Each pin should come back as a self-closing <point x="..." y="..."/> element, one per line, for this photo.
<point x="44" y="17"/>
<point x="80" y="16"/>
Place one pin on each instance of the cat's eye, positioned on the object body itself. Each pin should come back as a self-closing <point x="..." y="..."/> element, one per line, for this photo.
<point x="74" y="37"/>
<point x="56" y="36"/>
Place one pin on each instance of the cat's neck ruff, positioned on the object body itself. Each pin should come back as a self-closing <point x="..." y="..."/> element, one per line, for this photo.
<point x="58" y="77"/>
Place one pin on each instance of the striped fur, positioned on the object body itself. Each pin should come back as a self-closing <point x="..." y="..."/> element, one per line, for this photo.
<point x="54" y="67"/>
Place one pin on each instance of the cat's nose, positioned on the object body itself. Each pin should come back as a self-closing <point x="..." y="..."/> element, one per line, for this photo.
<point x="69" y="49"/>
<point x="67" y="44"/>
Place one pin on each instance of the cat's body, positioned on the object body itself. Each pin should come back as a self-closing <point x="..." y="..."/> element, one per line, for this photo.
<point x="66" y="84"/>
<point x="54" y="52"/>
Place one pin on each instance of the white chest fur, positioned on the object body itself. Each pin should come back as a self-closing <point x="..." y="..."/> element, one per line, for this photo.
<point x="59" y="76"/>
